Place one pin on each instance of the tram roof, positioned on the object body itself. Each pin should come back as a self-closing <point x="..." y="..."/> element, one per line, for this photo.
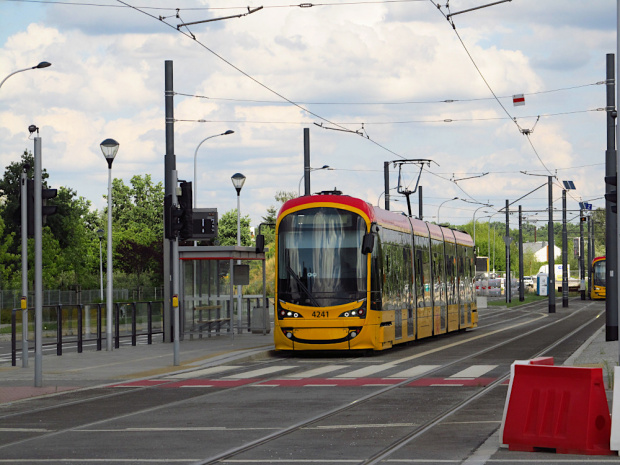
<point x="383" y="217"/>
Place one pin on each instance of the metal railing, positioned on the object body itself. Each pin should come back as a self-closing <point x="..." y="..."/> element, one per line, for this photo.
<point x="72" y="324"/>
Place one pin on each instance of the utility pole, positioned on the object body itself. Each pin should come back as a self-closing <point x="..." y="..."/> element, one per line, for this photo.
<point x="582" y="261"/>
<point x="386" y="184"/>
<point x="508" y="240"/>
<point x="564" y="253"/>
<point x="611" y="227"/>
<point x="551" y="249"/>
<point x="420" y="204"/>
<point x="521" y="285"/>
<point x="306" y="161"/>
<point x="170" y="189"/>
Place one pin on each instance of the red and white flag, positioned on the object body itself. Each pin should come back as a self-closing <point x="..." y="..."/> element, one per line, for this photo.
<point x="518" y="100"/>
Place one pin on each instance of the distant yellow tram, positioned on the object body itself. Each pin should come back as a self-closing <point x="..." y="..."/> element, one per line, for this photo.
<point x="352" y="276"/>
<point x="599" y="289"/>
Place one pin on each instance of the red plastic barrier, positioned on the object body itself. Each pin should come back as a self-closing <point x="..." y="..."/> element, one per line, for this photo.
<point x="561" y="408"/>
<point x="541" y="361"/>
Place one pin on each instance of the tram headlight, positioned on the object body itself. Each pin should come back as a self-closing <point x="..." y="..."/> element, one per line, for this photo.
<point x="284" y="313"/>
<point x="357" y="313"/>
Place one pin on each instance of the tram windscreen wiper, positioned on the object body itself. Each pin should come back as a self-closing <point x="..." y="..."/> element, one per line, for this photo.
<point x="302" y="285"/>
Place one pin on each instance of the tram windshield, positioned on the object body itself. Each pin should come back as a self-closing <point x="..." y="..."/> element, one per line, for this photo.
<point x="320" y="260"/>
<point x="598" y="273"/>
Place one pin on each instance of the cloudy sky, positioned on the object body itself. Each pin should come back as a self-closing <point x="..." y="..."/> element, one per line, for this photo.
<point x="395" y="74"/>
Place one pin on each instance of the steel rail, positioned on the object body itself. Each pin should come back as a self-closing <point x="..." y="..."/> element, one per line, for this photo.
<point x="322" y="416"/>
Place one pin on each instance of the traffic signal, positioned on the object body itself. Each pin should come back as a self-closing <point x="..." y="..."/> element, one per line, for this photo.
<point x="46" y="210"/>
<point x="172" y="215"/>
<point x="185" y="204"/>
<point x="612" y="196"/>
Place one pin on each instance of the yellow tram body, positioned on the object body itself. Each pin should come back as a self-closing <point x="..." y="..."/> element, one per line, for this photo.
<point x="350" y="276"/>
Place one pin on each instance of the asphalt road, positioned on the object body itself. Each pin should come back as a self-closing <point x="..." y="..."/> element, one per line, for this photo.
<point x="439" y="400"/>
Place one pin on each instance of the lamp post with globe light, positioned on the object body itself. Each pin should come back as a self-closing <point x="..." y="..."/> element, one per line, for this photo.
<point x="238" y="180"/>
<point x="109" y="147"/>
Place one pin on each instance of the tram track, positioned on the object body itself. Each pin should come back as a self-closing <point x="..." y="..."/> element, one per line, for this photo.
<point x="97" y="397"/>
<point x="442" y="344"/>
<point x="420" y="430"/>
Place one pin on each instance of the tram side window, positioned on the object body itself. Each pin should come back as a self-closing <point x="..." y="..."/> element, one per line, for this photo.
<point x="394" y="284"/>
<point x="460" y="272"/>
<point x="450" y="274"/>
<point x="439" y="285"/>
<point x="423" y="271"/>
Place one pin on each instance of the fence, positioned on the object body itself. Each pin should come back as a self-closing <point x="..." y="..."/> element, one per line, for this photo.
<point x="11" y="298"/>
<point x="76" y="324"/>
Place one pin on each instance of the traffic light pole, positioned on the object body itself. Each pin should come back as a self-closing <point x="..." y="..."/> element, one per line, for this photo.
<point x="24" y="238"/>
<point x="38" y="266"/>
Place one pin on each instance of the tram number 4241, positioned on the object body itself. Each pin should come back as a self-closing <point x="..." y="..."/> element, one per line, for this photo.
<point x="321" y="314"/>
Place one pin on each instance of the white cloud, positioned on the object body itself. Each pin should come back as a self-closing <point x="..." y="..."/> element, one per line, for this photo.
<point x="107" y="80"/>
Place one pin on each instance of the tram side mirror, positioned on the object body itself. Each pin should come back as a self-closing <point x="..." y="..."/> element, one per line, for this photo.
<point x="260" y="243"/>
<point x="368" y="243"/>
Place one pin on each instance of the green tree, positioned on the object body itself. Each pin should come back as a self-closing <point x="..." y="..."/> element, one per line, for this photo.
<point x="137" y="223"/>
<point x="227" y="229"/>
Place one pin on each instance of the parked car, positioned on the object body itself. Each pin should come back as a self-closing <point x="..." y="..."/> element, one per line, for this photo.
<point x="528" y="281"/>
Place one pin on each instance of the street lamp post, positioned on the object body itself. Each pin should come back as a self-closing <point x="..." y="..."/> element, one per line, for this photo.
<point x="238" y="180"/>
<point x="324" y="167"/>
<point x="438" y="209"/>
<point x="195" y="156"/>
<point x="109" y="147"/>
<point x="43" y="64"/>
<point x="100" y="234"/>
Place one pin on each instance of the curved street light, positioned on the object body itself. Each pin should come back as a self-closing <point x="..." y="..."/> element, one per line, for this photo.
<point x="230" y="131"/>
<point x="439" y="208"/>
<point x="43" y="64"/>
<point x="324" y="167"/>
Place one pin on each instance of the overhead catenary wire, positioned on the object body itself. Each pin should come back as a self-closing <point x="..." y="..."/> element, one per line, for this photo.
<point x="405" y="102"/>
<point x="261" y="84"/>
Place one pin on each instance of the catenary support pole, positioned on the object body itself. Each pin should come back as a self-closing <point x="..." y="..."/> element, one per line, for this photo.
<point x="582" y="258"/>
<point x="507" y="241"/>
<point x="386" y="184"/>
<point x="551" y="250"/>
<point x="564" y="253"/>
<point x="169" y="187"/>
<point x="420" y="203"/>
<point x="611" y="228"/>
<point x="306" y="161"/>
<point x="521" y="284"/>
<point x="616" y="280"/>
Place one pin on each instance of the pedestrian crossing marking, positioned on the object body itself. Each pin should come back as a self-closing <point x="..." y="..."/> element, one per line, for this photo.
<point x="260" y="372"/>
<point x="415" y="371"/>
<point x="317" y="371"/>
<point x="474" y="371"/>
<point x="203" y="372"/>
<point x="366" y="371"/>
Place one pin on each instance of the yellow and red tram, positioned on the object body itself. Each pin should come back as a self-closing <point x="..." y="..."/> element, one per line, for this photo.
<point x="353" y="276"/>
<point x="599" y="285"/>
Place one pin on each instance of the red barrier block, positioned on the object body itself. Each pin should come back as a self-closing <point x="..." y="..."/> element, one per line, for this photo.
<point x="561" y="408"/>
<point x="541" y="361"/>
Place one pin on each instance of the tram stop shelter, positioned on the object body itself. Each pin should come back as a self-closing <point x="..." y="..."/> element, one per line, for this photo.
<point x="209" y="276"/>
